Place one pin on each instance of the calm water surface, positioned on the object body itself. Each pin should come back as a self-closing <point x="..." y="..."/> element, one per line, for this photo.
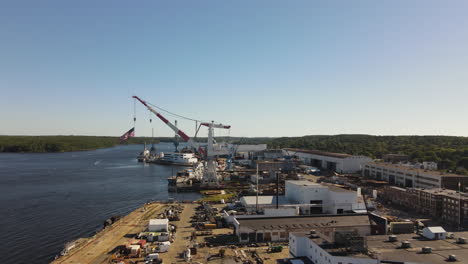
<point x="49" y="199"/>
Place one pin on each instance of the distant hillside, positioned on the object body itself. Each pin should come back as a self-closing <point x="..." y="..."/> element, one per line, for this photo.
<point x="78" y="143"/>
<point x="451" y="153"/>
<point x="59" y="143"/>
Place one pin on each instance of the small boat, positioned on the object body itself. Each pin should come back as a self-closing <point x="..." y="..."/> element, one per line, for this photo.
<point x="143" y="155"/>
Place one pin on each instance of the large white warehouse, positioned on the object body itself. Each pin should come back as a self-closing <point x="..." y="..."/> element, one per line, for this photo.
<point x="339" y="162"/>
<point x="321" y="198"/>
<point x="310" y="198"/>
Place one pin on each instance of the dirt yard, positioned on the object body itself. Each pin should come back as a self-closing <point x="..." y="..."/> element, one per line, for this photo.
<point x="205" y="254"/>
<point x="98" y="249"/>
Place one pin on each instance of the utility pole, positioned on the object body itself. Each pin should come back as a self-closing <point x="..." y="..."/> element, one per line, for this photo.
<point x="256" y="199"/>
<point x="459" y="205"/>
<point x="277" y="190"/>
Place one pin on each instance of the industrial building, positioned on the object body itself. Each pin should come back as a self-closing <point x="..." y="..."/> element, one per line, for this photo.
<point x="321" y="198"/>
<point x="264" y="201"/>
<point x="405" y="176"/>
<point x="350" y="248"/>
<point x="310" y="198"/>
<point x="447" y="205"/>
<point x="158" y="225"/>
<point x="247" y="151"/>
<point x="268" y="154"/>
<point x="339" y="162"/>
<point x="273" y="166"/>
<point x="270" y="229"/>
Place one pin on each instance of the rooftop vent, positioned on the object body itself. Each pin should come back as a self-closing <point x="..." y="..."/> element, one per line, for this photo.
<point x="426" y="250"/>
<point x="461" y="240"/>
<point x="405" y="244"/>
<point x="313" y="234"/>
<point x="452" y="258"/>
<point x="392" y="238"/>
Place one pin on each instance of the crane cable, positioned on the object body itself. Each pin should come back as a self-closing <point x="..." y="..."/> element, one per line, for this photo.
<point x="134" y="112"/>
<point x="174" y="114"/>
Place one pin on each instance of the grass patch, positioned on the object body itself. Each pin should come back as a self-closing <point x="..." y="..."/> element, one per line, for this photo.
<point x="217" y="197"/>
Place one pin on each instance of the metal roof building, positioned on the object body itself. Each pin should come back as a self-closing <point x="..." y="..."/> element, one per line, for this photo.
<point x="405" y="249"/>
<point x="339" y="162"/>
<point x="266" y="229"/>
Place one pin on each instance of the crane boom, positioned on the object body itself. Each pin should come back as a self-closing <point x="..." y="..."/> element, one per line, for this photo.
<point x="169" y="124"/>
<point x="215" y="125"/>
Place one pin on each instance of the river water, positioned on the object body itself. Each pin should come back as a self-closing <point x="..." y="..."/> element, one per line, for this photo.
<point x="49" y="199"/>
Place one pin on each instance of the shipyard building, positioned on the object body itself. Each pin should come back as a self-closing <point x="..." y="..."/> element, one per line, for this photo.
<point x="447" y="205"/>
<point x="272" y="229"/>
<point x="307" y="198"/>
<point x="305" y="205"/>
<point x="339" y="162"/>
<point x="411" y="177"/>
<point x="434" y="245"/>
<point x="321" y="198"/>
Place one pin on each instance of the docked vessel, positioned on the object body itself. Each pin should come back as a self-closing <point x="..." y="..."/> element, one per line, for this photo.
<point x="144" y="155"/>
<point x="175" y="158"/>
<point x="186" y="177"/>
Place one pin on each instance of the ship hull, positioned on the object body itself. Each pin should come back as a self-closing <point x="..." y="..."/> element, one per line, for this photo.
<point x="165" y="162"/>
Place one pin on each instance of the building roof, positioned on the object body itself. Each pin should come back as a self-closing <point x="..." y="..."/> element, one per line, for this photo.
<point x="270" y="161"/>
<point x="436" y="191"/>
<point x="331" y="187"/>
<point x="303" y="183"/>
<point x="375" y="182"/>
<point x="264" y="200"/>
<point x="274" y="151"/>
<point x="397" y="188"/>
<point x="436" y="229"/>
<point x="381" y="248"/>
<point x="296" y="261"/>
<point x="419" y="171"/>
<point x="446" y="192"/>
<point x="320" y="153"/>
<point x="304" y="222"/>
<point x="159" y="221"/>
<point x="334" y="188"/>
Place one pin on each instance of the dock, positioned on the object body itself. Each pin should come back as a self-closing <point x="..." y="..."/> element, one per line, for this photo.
<point x="96" y="249"/>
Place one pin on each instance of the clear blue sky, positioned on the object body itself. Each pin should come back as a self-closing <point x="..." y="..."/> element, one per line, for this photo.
<point x="268" y="68"/>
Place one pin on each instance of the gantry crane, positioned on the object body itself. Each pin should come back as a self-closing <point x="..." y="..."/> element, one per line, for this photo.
<point x="212" y="149"/>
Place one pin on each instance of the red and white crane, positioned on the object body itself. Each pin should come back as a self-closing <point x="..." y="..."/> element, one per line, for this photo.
<point x="179" y="132"/>
<point x="212" y="148"/>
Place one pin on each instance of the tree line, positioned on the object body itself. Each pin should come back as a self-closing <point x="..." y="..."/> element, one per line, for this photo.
<point x="450" y="153"/>
<point x="61" y="143"/>
<point x="78" y="143"/>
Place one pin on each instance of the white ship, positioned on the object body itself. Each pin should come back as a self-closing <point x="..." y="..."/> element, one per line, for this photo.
<point x="143" y="155"/>
<point x="175" y="158"/>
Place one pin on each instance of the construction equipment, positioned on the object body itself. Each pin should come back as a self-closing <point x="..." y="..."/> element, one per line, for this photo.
<point x="211" y="150"/>
<point x="275" y="249"/>
<point x="179" y="132"/>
